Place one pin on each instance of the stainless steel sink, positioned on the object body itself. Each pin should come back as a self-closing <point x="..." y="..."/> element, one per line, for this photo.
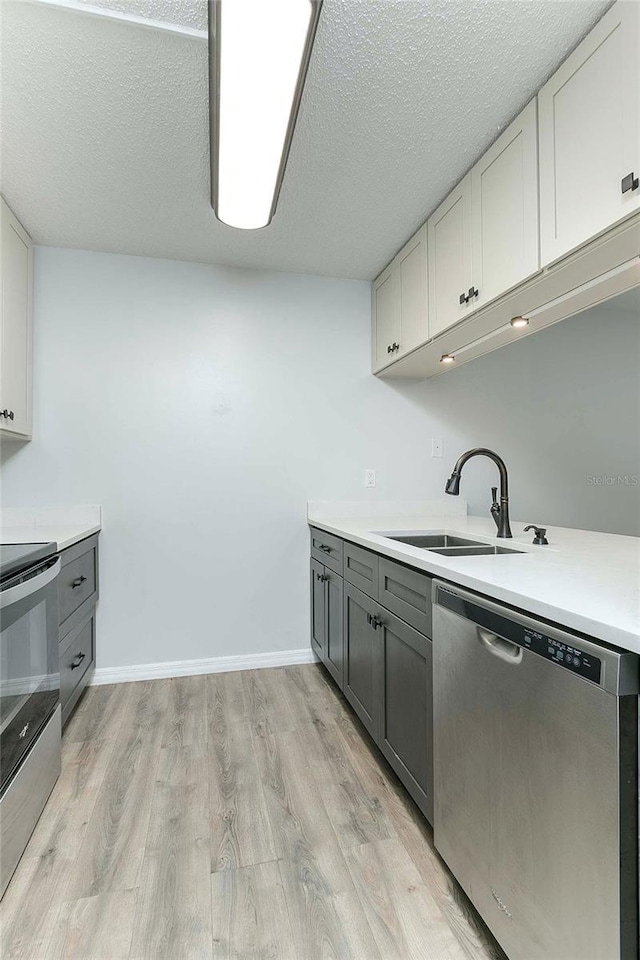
<point x="484" y="550"/>
<point x="428" y="541"/>
<point x="449" y="546"/>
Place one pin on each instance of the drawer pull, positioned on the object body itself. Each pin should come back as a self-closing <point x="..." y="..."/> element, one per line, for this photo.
<point x="630" y="182"/>
<point x="77" y="582"/>
<point x="325" y="548"/>
<point x="7" y="414"/>
<point x="77" y="660"/>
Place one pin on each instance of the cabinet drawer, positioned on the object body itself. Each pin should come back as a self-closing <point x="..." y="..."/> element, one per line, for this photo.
<point x="361" y="569"/>
<point x="77" y="583"/>
<point x="327" y="549"/>
<point x="405" y="592"/>
<point x="76" y="657"/>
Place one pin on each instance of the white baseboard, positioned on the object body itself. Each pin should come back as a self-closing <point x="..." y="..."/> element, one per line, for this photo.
<point x="188" y="668"/>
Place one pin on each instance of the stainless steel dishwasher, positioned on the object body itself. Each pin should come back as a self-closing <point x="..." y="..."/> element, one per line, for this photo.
<point x="536" y="779"/>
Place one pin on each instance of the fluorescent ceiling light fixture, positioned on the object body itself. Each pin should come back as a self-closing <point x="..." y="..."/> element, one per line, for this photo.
<point x="259" y="52"/>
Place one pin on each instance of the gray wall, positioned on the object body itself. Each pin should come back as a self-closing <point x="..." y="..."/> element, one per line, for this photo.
<point x="563" y="408"/>
<point x="203" y="406"/>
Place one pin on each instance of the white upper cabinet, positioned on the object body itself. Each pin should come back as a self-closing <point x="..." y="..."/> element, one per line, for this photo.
<point x="590" y="136"/>
<point x="504" y="197"/>
<point x="386" y="316"/>
<point x="15" y="327"/>
<point x="411" y="264"/>
<point x="400" y="303"/>
<point x="449" y="255"/>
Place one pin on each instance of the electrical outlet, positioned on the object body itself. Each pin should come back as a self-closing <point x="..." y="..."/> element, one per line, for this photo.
<point x="369" y="478"/>
<point x="437" y="447"/>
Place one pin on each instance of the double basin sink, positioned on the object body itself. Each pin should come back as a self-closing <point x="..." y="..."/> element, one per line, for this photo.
<point x="449" y="546"/>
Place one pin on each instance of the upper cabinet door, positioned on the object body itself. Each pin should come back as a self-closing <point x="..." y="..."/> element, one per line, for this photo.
<point x="411" y="264"/>
<point x="589" y="135"/>
<point x="386" y="317"/>
<point x="505" y="210"/>
<point x="449" y="255"/>
<point x="15" y="326"/>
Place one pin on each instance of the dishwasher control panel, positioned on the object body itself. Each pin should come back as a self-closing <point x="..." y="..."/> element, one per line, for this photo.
<point x="564" y="654"/>
<point x="576" y="660"/>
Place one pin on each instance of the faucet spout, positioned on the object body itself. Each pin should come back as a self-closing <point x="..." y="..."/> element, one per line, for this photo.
<point x="500" y="512"/>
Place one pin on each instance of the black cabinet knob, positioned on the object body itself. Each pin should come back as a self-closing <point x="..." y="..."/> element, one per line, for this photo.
<point x="324" y="547"/>
<point x="77" y="660"/>
<point x="473" y="292"/>
<point x="463" y="298"/>
<point x="630" y="182"/>
<point x="389" y="349"/>
<point x="77" y="582"/>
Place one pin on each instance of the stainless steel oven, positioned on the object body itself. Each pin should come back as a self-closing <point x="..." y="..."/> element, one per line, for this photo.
<point x="29" y="694"/>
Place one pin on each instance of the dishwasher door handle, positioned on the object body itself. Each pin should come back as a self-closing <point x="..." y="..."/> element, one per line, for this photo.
<point x="499" y="647"/>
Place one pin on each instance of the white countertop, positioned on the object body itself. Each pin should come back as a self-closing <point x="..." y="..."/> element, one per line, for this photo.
<point x="63" y="526"/>
<point x="584" y="580"/>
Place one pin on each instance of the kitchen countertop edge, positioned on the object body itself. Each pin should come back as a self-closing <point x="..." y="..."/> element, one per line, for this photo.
<point x="568" y="616"/>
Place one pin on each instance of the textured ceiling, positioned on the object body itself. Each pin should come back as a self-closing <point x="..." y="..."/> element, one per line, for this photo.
<point x="105" y="125"/>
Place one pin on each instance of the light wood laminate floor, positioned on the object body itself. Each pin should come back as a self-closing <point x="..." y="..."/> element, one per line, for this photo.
<point x="238" y="815"/>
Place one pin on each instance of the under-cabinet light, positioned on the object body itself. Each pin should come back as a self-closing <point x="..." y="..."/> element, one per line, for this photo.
<point x="259" y="52"/>
<point x="447" y="358"/>
<point x="518" y="322"/>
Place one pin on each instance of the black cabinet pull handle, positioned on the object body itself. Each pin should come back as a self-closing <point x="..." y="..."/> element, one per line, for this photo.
<point x="389" y="348"/>
<point x="395" y="346"/>
<point x="78" y="582"/>
<point x="7" y="414"/>
<point x="325" y="547"/>
<point x="463" y="298"/>
<point x="78" y="660"/>
<point x="473" y="292"/>
<point x="630" y="182"/>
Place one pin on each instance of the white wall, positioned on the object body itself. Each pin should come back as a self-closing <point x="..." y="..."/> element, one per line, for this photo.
<point x="202" y="407"/>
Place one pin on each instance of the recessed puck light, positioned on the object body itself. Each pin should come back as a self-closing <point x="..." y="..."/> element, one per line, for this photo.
<point x="518" y="322"/>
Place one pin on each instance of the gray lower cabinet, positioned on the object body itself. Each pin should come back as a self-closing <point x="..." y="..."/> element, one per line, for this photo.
<point x="362" y="660"/>
<point x="77" y="597"/>
<point x="406" y="723"/>
<point x="406" y="592"/>
<point x="361" y="568"/>
<point x="77" y="659"/>
<point x="372" y="631"/>
<point x="317" y="592"/>
<point x="327" y="549"/>
<point x="326" y="591"/>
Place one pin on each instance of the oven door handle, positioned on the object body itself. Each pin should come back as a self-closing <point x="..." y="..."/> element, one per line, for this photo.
<point x="22" y="590"/>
